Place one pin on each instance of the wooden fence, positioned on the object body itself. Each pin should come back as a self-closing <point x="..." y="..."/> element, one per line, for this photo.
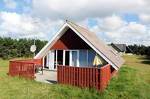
<point x="77" y="76"/>
<point x="23" y="68"/>
<point x="84" y="77"/>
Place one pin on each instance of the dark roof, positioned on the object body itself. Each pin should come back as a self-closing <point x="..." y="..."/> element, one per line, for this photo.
<point x="119" y="47"/>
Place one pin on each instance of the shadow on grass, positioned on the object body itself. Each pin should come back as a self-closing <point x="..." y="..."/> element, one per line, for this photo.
<point x="52" y="81"/>
<point x="145" y="60"/>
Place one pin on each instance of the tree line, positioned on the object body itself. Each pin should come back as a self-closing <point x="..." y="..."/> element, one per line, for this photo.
<point x="11" y="48"/>
<point x="140" y="49"/>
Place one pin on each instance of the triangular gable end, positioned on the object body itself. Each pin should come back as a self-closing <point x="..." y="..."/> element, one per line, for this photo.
<point x="45" y="49"/>
<point x="58" y="35"/>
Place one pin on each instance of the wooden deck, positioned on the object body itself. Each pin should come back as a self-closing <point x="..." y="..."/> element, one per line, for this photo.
<point x="90" y="77"/>
<point x="46" y="77"/>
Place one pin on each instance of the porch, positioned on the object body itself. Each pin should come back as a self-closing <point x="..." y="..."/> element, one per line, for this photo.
<point x="70" y="57"/>
<point x="90" y="77"/>
<point x="69" y="50"/>
<point x="29" y="69"/>
<point x="46" y="77"/>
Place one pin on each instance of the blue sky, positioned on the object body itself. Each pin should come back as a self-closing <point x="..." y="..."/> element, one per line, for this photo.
<point x="115" y="21"/>
<point x="16" y="6"/>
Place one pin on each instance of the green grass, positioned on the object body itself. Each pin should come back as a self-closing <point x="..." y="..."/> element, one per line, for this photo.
<point x="133" y="82"/>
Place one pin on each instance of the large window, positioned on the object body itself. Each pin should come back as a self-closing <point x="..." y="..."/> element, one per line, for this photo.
<point x="67" y="58"/>
<point x="86" y="57"/>
<point x="83" y="58"/>
<point x="91" y="56"/>
<point x="60" y="57"/>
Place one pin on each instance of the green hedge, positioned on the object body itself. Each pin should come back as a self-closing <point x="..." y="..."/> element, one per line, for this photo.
<point x="10" y="48"/>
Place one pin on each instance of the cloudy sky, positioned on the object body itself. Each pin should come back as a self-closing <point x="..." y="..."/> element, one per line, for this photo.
<point x="118" y="21"/>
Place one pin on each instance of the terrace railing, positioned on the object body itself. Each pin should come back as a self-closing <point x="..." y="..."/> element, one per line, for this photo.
<point x="23" y="68"/>
<point x="84" y="76"/>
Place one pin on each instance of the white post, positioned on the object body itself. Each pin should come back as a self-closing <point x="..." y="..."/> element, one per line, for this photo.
<point x="47" y="60"/>
<point x="43" y="61"/>
<point x="64" y="55"/>
<point x="70" y="59"/>
<point x="34" y="51"/>
<point x="78" y="58"/>
<point x="56" y="59"/>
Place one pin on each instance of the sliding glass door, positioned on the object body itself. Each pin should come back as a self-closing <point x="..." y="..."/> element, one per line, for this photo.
<point x="71" y="57"/>
<point x="74" y="58"/>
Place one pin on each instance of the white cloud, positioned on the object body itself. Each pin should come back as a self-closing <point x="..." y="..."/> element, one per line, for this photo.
<point x="21" y="25"/>
<point x="13" y="22"/>
<point x="45" y="17"/>
<point x="11" y="4"/>
<point x="112" y="28"/>
<point x="122" y="32"/>
<point x="79" y="10"/>
<point x="111" y="23"/>
<point x="134" y="29"/>
<point x="145" y="18"/>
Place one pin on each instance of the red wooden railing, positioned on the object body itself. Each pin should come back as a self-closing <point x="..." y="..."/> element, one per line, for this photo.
<point x="23" y="68"/>
<point x="105" y="76"/>
<point x="77" y="76"/>
<point x="84" y="77"/>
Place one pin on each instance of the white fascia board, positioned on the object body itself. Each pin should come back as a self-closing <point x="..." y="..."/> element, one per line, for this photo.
<point x="45" y="49"/>
<point x="93" y="47"/>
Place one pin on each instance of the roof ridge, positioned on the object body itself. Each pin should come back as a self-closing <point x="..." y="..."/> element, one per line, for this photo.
<point x="79" y="26"/>
<point x="68" y="21"/>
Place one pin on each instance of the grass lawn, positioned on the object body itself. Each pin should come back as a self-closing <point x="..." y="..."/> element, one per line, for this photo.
<point x="133" y="82"/>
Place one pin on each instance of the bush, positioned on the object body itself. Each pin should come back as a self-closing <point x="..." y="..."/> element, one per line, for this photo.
<point x="10" y="48"/>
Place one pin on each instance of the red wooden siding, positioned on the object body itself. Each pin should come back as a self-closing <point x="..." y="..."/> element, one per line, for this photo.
<point x="59" y="45"/>
<point x="105" y="73"/>
<point x="84" y="77"/>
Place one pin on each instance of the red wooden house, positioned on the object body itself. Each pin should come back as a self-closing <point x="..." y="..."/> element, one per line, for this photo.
<point x="73" y="51"/>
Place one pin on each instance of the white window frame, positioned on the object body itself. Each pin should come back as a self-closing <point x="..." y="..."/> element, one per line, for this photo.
<point x="70" y="57"/>
<point x="64" y="57"/>
<point x="56" y="59"/>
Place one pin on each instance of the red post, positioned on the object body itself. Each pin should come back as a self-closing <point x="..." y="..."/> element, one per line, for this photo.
<point x="105" y="75"/>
